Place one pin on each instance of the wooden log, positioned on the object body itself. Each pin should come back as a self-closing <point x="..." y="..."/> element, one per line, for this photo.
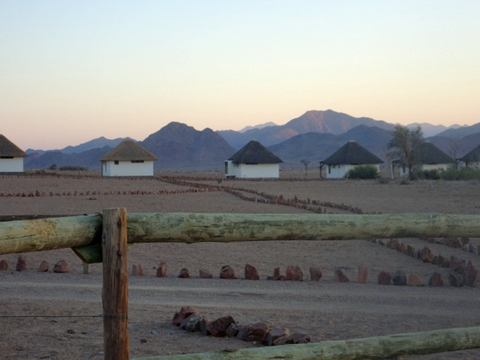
<point x="115" y="285"/>
<point x="48" y="234"/>
<point x="193" y="228"/>
<point x="380" y="347"/>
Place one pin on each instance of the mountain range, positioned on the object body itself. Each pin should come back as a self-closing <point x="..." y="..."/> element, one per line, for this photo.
<point x="313" y="136"/>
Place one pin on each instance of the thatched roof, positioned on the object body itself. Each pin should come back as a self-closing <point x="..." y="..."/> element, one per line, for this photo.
<point x="128" y="150"/>
<point x="255" y="153"/>
<point x="430" y="154"/>
<point x="472" y="156"/>
<point x="352" y="153"/>
<point x="7" y="148"/>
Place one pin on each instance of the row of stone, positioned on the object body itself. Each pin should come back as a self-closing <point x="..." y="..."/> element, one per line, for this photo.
<point x="457" y="243"/>
<point x="467" y="277"/>
<point x="426" y="255"/>
<point x="189" y="319"/>
<point x="461" y="272"/>
<point x="270" y="199"/>
<point x="87" y="193"/>
<point x="60" y="266"/>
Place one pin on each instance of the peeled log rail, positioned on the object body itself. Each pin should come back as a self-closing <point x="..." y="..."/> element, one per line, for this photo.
<point x="75" y="231"/>
<point x="380" y="347"/>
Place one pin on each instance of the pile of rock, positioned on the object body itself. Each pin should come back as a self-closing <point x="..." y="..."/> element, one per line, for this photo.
<point x="189" y="319"/>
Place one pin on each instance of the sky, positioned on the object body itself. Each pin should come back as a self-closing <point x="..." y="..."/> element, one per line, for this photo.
<point x="72" y="71"/>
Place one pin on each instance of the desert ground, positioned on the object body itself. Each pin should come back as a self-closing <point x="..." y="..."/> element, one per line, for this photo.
<point x="46" y="315"/>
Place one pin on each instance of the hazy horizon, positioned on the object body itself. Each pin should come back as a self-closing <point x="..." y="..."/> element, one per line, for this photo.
<point x="126" y="69"/>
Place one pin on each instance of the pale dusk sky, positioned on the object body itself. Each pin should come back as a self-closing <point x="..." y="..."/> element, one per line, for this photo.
<point x="72" y="71"/>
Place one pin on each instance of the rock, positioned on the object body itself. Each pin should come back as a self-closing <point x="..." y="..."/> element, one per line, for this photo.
<point x="218" y="328"/>
<point x="435" y="280"/>
<point x="473" y="249"/>
<point x="205" y="274"/>
<point x="293" y="273"/>
<point x="455" y="243"/>
<point x="315" y="273"/>
<point x="362" y="275"/>
<point x="60" y="267"/>
<point x="184" y="312"/>
<point x="21" y="263"/>
<point x="384" y="278"/>
<point x="3" y="265"/>
<point x="242" y="333"/>
<point x="162" y="269"/>
<point x="191" y="323"/>
<point x="184" y="274"/>
<point x="298" y="338"/>
<point x="137" y="270"/>
<point x="276" y="275"/>
<point x="402" y="248"/>
<point x="415" y="280"/>
<point x="340" y="276"/>
<point x="281" y="340"/>
<point x="411" y="251"/>
<point x="426" y="255"/>
<point x="43" y="266"/>
<point x="275" y="334"/>
<point x="470" y="275"/>
<point x="232" y="330"/>
<point x="227" y="272"/>
<point x="457" y="264"/>
<point x="251" y="272"/>
<point x="455" y="279"/>
<point x="466" y="247"/>
<point x="204" y="327"/>
<point x="442" y="262"/>
<point x="399" y="278"/>
<point x="258" y="333"/>
<point x="393" y="244"/>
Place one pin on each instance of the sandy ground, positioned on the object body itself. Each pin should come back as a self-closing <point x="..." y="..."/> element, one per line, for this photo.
<point x="58" y="316"/>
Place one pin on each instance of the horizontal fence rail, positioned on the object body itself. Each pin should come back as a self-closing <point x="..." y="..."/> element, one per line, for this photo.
<point x="379" y="347"/>
<point x="77" y="231"/>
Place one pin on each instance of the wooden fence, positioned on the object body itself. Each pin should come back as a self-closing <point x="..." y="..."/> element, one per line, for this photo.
<point x="103" y="238"/>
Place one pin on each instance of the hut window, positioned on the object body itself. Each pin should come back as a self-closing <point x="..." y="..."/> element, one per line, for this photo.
<point x="6" y="157"/>
<point x="137" y="161"/>
<point x="116" y="162"/>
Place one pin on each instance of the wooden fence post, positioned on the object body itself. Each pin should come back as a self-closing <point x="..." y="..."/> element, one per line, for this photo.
<point x="115" y="284"/>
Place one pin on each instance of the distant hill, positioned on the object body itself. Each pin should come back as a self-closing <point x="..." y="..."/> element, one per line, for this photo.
<point x="313" y="136"/>
<point x="431" y="130"/>
<point x="177" y="146"/>
<point x="89" y="159"/>
<point x="447" y="145"/>
<point x="315" y="146"/>
<point x="461" y="131"/>
<point x="181" y="147"/>
<point x="312" y="121"/>
<point x="260" y="126"/>
<point x="93" y="144"/>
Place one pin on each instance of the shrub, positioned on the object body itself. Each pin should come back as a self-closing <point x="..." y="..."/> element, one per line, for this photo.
<point x="74" y="168"/>
<point x="465" y="173"/>
<point x="362" y="172"/>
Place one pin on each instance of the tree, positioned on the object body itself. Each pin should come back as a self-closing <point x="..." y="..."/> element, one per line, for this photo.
<point x="406" y="146"/>
<point x="453" y="148"/>
<point x="305" y="163"/>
